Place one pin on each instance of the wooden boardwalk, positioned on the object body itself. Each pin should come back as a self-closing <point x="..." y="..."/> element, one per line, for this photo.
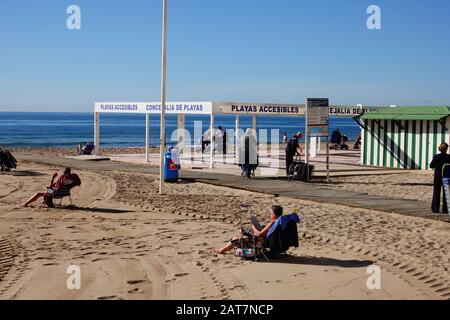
<point x="273" y="186"/>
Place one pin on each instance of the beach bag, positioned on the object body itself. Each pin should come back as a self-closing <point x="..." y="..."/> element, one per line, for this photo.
<point x="299" y="171"/>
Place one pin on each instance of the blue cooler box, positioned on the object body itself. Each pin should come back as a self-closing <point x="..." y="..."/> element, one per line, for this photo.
<point x="170" y="168"/>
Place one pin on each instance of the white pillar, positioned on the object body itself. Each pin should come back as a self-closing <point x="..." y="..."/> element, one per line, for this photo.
<point x="163" y="99"/>
<point x="147" y="136"/>
<point x="236" y="134"/>
<point x="97" y="150"/>
<point x="213" y="143"/>
<point x="363" y="142"/>
<point x="255" y="127"/>
<point x="306" y="141"/>
<point x="313" y="147"/>
<point x="181" y="136"/>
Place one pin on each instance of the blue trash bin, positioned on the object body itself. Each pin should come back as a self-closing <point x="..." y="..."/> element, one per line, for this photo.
<point x="170" y="168"/>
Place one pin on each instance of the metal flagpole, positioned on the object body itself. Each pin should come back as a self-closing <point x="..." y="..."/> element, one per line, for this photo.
<point x="163" y="99"/>
<point x="147" y="140"/>
<point x="306" y="141"/>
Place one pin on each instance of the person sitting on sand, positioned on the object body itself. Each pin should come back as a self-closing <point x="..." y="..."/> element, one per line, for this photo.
<point x="67" y="179"/>
<point x="275" y="213"/>
<point x="85" y="150"/>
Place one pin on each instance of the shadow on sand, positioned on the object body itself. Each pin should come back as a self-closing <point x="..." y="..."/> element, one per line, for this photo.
<point x="96" y="210"/>
<point x="322" y="261"/>
<point x="26" y="174"/>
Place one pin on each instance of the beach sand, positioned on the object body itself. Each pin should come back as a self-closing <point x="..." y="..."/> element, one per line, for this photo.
<point x="414" y="185"/>
<point x="132" y="243"/>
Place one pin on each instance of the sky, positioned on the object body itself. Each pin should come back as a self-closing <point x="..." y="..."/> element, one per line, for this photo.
<point x="224" y="50"/>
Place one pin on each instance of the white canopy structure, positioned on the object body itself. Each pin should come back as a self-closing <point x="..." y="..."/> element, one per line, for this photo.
<point x="211" y="108"/>
<point x="181" y="109"/>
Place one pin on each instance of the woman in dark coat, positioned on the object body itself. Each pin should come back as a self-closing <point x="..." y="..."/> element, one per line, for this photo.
<point x="437" y="164"/>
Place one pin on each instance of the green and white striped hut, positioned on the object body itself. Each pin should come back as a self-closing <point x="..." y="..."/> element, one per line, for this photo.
<point x="403" y="137"/>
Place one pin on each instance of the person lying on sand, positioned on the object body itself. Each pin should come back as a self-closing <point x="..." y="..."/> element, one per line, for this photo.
<point x="67" y="179"/>
<point x="275" y="213"/>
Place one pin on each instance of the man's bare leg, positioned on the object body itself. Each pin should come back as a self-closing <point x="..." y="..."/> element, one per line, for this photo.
<point x="227" y="248"/>
<point x="33" y="199"/>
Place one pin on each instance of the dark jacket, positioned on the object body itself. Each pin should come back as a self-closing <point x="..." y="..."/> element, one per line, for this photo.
<point x="336" y="137"/>
<point x="282" y="239"/>
<point x="437" y="164"/>
<point x="292" y="146"/>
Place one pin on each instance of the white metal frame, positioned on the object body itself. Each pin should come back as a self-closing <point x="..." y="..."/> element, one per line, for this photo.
<point x="211" y="108"/>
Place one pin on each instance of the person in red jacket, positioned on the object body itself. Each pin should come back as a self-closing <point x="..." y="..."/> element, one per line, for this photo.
<point x="68" y="179"/>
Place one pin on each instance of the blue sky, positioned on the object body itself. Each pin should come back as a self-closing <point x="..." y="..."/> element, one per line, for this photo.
<point x="244" y="50"/>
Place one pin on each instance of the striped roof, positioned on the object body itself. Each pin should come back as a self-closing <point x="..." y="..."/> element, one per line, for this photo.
<point x="407" y="113"/>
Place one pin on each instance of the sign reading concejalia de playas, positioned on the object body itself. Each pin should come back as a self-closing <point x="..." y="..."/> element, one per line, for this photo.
<point x="349" y="111"/>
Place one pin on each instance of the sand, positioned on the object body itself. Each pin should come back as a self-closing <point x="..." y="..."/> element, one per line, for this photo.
<point x="131" y="243"/>
<point x="414" y="185"/>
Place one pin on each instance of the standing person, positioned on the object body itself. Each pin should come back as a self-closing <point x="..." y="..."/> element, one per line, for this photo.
<point x="292" y="149"/>
<point x="248" y="153"/>
<point x="224" y="139"/>
<point x="437" y="164"/>
<point x="218" y="140"/>
<point x="206" y="140"/>
<point x="285" y="139"/>
<point x="357" y="145"/>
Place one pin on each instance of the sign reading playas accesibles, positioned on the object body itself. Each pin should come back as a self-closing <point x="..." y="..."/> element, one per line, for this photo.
<point x="257" y="109"/>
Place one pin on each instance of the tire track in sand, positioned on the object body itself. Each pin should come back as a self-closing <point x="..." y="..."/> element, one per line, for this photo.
<point x="103" y="189"/>
<point x="6" y="258"/>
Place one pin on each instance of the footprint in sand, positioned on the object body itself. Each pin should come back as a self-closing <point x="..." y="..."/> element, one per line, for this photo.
<point x="133" y="282"/>
<point x="180" y="275"/>
<point x="107" y="298"/>
<point x="301" y="274"/>
<point x="135" y="291"/>
<point x="43" y="258"/>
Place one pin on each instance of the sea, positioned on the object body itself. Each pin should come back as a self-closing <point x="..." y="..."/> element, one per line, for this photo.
<point x="62" y="130"/>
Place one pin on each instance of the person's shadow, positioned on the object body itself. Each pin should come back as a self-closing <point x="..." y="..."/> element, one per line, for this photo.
<point x="321" y="261"/>
<point x="24" y="173"/>
<point x="94" y="210"/>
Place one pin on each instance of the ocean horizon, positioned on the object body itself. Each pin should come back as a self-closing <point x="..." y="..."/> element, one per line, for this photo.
<point x="68" y="129"/>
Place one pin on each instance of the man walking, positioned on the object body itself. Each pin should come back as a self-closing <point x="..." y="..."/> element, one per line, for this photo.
<point x="437" y="164"/>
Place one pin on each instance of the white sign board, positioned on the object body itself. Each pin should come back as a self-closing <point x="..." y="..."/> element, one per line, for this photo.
<point x="317" y="117"/>
<point x="154" y="107"/>
<point x="258" y="109"/>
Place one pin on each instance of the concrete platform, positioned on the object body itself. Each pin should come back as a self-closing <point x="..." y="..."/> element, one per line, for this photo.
<point x="90" y="158"/>
<point x="342" y="163"/>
